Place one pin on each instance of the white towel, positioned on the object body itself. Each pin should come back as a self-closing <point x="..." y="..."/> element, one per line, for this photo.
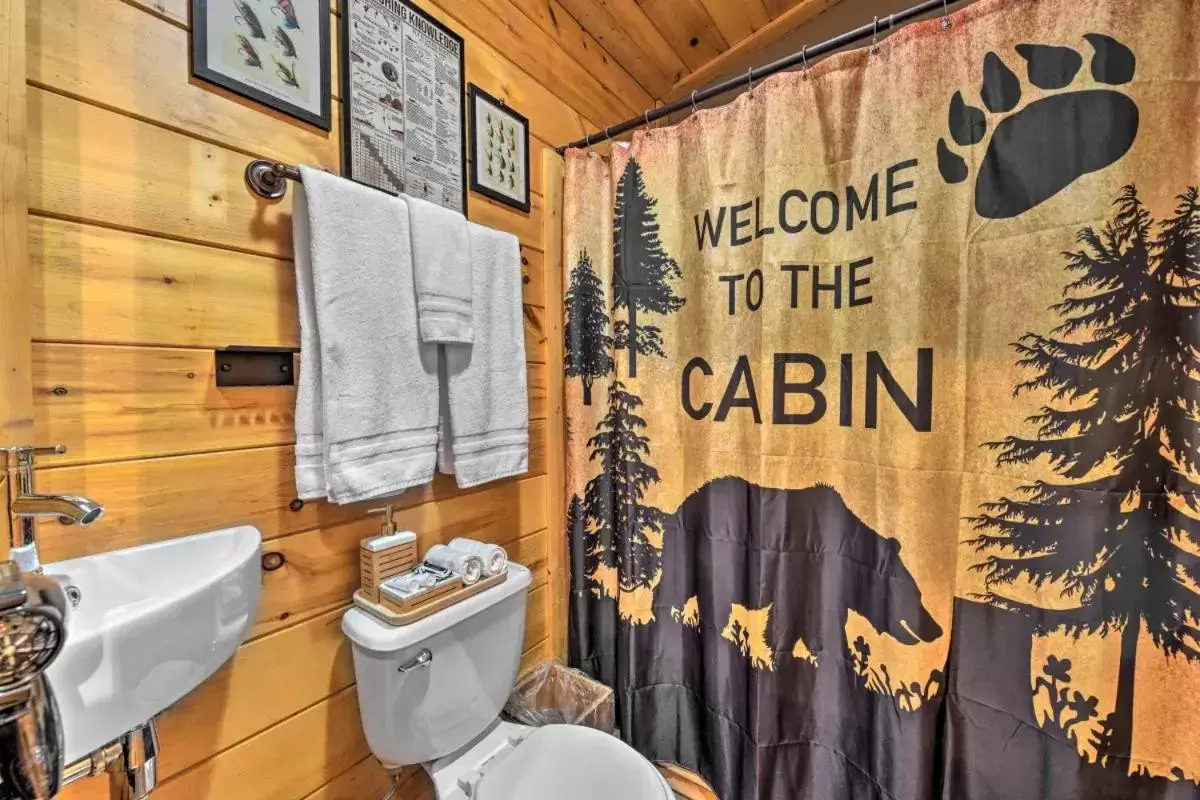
<point x="367" y="404"/>
<point x="442" y="268"/>
<point x="486" y="386"/>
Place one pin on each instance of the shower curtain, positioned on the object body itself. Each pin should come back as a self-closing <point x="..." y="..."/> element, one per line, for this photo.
<point x="883" y="408"/>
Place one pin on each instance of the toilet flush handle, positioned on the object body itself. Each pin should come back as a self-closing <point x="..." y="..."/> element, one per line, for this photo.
<point x="423" y="659"/>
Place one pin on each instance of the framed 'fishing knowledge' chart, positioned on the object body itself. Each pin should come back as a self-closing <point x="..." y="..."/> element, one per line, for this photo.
<point x="403" y="125"/>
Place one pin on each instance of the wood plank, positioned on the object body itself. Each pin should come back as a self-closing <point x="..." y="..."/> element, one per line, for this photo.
<point x="82" y="48"/>
<point x="106" y="286"/>
<point x="609" y="95"/>
<point x="128" y="174"/>
<point x="736" y="21"/>
<point x="266" y="681"/>
<point x="629" y="35"/>
<point x="686" y="784"/>
<point x="156" y="499"/>
<point x="16" y="394"/>
<point x="535" y="618"/>
<point x="321" y="567"/>
<point x="289" y="760"/>
<point x="742" y="52"/>
<point x="173" y="11"/>
<point x="556" y="497"/>
<point x="366" y="780"/>
<point x="688" y="28"/>
<point x="102" y="285"/>
<point x="526" y="227"/>
<point x="107" y="402"/>
<point x="557" y="22"/>
<point x="134" y="175"/>
<point x="538" y="654"/>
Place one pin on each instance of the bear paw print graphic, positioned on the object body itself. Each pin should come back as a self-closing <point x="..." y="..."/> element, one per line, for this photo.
<point x="1039" y="150"/>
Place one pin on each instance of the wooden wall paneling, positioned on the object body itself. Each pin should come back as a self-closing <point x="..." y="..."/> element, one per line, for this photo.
<point x="267" y="681"/>
<point x="106" y="286"/>
<point x="687" y="26"/>
<point x="558" y="556"/>
<point x="629" y="35"/>
<point x="736" y="21"/>
<point x="130" y="174"/>
<point x="558" y="23"/>
<point x="288" y="760"/>
<point x="150" y="500"/>
<point x="117" y="56"/>
<point x="101" y="285"/>
<point x="741" y="54"/>
<point x="16" y="396"/>
<point x="108" y="402"/>
<point x="366" y="780"/>
<point x="609" y="95"/>
<point x="136" y="176"/>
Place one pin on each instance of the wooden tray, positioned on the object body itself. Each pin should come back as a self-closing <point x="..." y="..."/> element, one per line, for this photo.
<point x="427" y="607"/>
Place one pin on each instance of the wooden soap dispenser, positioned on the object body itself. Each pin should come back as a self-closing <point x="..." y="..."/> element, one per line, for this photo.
<point x="390" y="553"/>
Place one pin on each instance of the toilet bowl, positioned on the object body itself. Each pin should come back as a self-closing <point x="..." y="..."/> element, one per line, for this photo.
<point x="431" y="693"/>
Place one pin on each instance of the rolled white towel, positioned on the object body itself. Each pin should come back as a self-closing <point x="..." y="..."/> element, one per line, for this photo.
<point x="467" y="566"/>
<point x="494" y="557"/>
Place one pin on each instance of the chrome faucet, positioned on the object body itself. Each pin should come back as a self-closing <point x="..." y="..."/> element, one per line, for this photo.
<point x="27" y="506"/>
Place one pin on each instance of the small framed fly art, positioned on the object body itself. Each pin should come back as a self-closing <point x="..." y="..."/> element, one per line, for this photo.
<point x="275" y="52"/>
<point x="499" y="150"/>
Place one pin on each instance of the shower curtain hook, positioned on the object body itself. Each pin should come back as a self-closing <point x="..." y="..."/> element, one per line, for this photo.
<point x="750" y="77"/>
<point x="875" y="35"/>
<point x="945" y="15"/>
<point x="694" y="109"/>
<point x="607" y="135"/>
<point x="804" y="59"/>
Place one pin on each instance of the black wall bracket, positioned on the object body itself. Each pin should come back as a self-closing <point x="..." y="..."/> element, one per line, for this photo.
<point x="255" y="366"/>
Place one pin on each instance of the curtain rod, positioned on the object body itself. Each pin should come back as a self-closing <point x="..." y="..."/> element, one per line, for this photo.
<point x="870" y="30"/>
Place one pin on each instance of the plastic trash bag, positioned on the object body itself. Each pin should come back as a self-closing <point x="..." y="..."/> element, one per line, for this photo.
<point x="554" y="694"/>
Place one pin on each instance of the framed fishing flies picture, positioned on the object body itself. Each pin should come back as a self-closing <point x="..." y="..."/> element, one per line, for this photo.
<point x="275" y="52"/>
<point x="499" y="150"/>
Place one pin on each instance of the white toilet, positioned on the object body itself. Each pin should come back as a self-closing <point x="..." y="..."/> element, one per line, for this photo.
<point x="431" y="693"/>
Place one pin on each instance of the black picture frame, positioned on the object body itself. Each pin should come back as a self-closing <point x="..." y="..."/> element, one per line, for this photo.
<point x="348" y="110"/>
<point x="204" y="71"/>
<point x="519" y="203"/>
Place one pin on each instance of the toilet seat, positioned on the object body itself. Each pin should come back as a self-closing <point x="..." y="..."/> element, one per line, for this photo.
<point x="569" y="761"/>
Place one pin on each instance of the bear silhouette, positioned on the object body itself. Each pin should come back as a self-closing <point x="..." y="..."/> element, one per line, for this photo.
<point x="804" y="553"/>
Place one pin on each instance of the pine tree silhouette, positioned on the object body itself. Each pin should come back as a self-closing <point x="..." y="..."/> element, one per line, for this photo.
<point x="1118" y="536"/>
<point x="642" y="269"/>
<point x="613" y="499"/>
<point x="588" y="346"/>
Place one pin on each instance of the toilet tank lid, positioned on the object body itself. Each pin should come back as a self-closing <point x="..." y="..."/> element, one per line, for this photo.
<point x="371" y="633"/>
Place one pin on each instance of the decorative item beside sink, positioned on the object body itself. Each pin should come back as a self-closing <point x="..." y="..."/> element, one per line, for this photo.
<point x="275" y="52"/>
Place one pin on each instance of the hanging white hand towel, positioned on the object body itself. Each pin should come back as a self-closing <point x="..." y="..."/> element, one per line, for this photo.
<point x="486" y="384"/>
<point x="368" y="396"/>
<point x="442" y="271"/>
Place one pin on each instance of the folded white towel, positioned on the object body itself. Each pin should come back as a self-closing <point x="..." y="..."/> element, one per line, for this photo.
<point x="486" y="385"/>
<point x="368" y="395"/>
<point x="442" y="268"/>
<point x="493" y="556"/>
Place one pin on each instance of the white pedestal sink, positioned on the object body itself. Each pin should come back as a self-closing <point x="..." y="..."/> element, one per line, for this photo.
<point x="151" y="624"/>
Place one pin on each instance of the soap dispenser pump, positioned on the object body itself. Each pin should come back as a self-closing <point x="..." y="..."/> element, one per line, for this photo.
<point x="390" y="553"/>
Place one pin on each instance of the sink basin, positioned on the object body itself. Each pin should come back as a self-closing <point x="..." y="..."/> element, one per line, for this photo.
<point x="151" y="624"/>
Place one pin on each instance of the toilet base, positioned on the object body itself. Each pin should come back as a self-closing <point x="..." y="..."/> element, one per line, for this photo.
<point x="455" y="776"/>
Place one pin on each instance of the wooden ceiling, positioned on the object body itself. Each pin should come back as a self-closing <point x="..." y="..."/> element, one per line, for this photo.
<point x="673" y="46"/>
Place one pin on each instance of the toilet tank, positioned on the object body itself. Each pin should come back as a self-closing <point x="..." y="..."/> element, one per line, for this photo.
<point x="431" y="711"/>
